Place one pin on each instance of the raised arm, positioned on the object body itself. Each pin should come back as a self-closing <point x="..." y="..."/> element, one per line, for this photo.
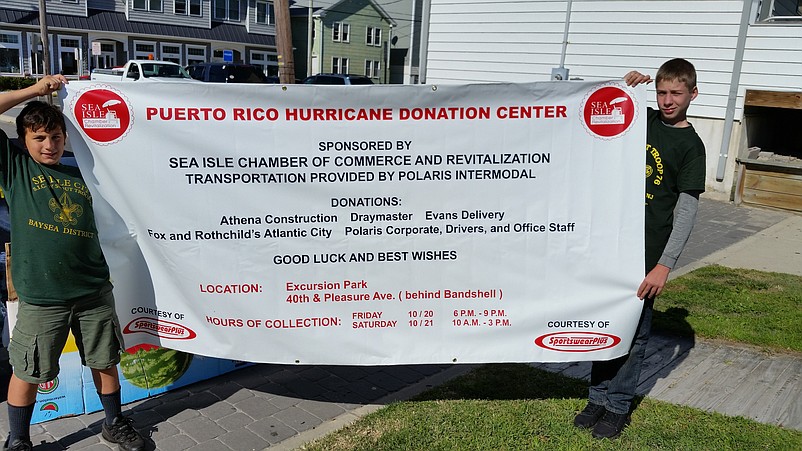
<point x="45" y="86"/>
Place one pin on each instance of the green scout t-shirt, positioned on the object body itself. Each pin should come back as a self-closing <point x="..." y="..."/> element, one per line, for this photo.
<point x="675" y="163"/>
<point x="56" y="255"/>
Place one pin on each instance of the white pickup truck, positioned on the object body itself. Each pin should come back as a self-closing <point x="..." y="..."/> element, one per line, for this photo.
<point x="143" y="70"/>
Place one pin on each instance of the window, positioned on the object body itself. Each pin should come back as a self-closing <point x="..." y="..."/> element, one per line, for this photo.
<point x="148" y="5"/>
<point x="9" y="38"/>
<point x="67" y="42"/>
<point x="144" y="47"/>
<point x="69" y="55"/>
<point x="373" y="36"/>
<point x="196" y="54"/>
<point x="107" y="57"/>
<point x="171" y="52"/>
<point x="783" y="11"/>
<point x="144" y="50"/>
<point x="266" y="61"/>
<point x="187" y="7"/>
<point x="265" y="13"/>
<point x="340" y="32"/>
<point x="10" y="53"/>
<point x="339" y="65"/>
<point x="36" y="53"/>
<point x="372" y="69"/>
<point x="226" y="9"/>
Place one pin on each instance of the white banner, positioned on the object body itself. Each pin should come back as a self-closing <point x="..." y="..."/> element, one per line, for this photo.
<point x="369" y="225"/>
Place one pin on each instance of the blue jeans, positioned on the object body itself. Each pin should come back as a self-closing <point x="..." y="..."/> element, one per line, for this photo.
<point x="613" y="382"/>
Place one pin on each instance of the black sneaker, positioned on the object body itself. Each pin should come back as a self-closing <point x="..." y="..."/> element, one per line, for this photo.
<point x="18" y="445"/>
<point x="589" y="416"/>
<point x="122" y="433"/>
<point x="611" y="425"/>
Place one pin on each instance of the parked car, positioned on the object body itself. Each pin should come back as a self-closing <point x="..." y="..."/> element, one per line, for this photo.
<point x="142" y="70"/>
<point x="228" y="73"/>
<point x="337" y="79"/>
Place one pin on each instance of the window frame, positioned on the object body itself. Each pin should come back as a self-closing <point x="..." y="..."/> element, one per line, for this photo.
<point x="138" y="54"/>
<point x="70" y="44"/>
<point x="373" y="68"/>
<point x="268" y="62"/>
<point x="269" y="12"/>
<point x="341" y="32"/>
<point x="147" y="5"/>
<point x="373" y="36"/>
<point x="171" y="56"/>
<point x="192" y="58"/>
<point x="339" y="65"/>
<point x="189" y="5"/>
<point x="12" y="46"/>
<point x="228" y="10"/>
<point x="33" y="42"/>
<point x="766" y="12"/>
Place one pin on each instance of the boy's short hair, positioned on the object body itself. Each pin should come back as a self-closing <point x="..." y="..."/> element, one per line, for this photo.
<point x="36" y="115"/>
<point x="677" y="69"/>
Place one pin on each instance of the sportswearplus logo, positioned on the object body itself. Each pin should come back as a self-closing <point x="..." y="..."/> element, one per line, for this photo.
<point x="577" y="341"/>
<point x="158" y="328"/>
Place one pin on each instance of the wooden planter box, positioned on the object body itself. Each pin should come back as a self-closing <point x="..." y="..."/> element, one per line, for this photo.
<point x="769" y="185"/>
<point x="773" y="122"/>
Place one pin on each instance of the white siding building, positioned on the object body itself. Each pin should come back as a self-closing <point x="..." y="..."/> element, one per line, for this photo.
<point x="735" y="45"/>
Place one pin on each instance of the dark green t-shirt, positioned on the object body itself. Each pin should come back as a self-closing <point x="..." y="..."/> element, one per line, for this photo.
<point x="675" y="163"/>
<point x="55" y="254"/>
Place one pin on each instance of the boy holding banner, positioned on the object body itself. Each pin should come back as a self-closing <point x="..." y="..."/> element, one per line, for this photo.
<point x="58" y="269"/>
<point x="675" y="177"/>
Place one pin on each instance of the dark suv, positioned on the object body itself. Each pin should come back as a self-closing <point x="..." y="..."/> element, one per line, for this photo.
<point x="337" y="79"/>
<point x="228" y="73"/>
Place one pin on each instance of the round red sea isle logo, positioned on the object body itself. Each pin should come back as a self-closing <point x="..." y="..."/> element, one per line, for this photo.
<point x="608" y="112"/>
<point x="103" y="114"/>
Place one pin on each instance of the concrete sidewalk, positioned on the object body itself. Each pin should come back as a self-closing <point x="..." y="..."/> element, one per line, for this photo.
<point x="775" y="249"/>
<point x="284" y="406"/>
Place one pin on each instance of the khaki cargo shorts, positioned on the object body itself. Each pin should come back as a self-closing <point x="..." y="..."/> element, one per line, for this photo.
<point x="42" y="331"/>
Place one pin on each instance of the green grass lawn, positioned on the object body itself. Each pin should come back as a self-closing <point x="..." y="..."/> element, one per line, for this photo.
<point x="517" y="407"/>
<point x="753" y="307"/>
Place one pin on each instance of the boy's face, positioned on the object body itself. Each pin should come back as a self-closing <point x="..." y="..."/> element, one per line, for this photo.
<point x="673" y="99"/>
<point x="46" y="147"/>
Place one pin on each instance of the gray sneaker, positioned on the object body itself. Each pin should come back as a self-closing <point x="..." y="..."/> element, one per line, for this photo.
<point x="122" y="433"/>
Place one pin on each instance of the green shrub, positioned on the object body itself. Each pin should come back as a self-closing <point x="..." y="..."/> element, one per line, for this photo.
<point x="12" y="83"/>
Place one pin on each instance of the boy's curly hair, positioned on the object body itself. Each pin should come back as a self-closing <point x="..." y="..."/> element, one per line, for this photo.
<point x="677" y="69"/>
<point x="36" y="115"/>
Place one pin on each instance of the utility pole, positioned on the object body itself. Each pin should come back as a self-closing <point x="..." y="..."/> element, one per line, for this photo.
<point x="286" y="61"/>
<point x="43" y="35"/>
<point x="45" y="40"/>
